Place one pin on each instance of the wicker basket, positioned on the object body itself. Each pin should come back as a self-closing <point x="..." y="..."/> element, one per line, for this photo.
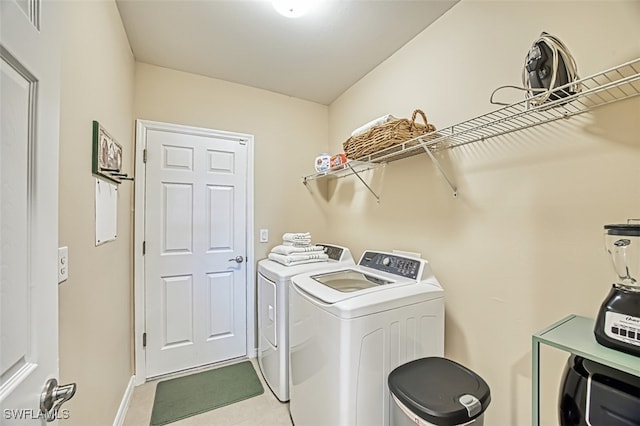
<point x="385" y="135"/>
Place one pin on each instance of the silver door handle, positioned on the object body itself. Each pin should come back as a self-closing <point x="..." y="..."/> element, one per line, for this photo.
<point x="237" y="259"/>
<point x="53" y="396"/>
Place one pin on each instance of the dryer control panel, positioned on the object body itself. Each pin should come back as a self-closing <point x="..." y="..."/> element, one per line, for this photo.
<point x="334" y="252"/>
<point x="393" y="264"/>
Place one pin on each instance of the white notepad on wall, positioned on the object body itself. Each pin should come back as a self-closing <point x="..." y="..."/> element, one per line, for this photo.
<point x="106" y="212"/>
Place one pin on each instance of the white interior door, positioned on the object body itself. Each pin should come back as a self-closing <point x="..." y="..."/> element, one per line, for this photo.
<point x="29" y="94"/>
<point x="195" y="247"/>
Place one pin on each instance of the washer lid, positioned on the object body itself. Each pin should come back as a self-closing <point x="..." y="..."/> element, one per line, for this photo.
<point x="341" y="284"/>
<point x="440" y="391"/>
<point x="350" y="280"/>
<point x="276" y="271"/>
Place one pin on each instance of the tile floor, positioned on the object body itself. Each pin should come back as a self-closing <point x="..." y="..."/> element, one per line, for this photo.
<point x="261" y="410"/>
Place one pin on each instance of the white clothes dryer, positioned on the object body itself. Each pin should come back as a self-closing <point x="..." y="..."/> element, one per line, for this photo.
<point x="273" y="316"/>
<point x="350" y="327"/>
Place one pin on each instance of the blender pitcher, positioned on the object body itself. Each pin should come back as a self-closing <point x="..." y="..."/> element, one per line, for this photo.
<point x="622" y="242"/>
<point x="618" y="322"/>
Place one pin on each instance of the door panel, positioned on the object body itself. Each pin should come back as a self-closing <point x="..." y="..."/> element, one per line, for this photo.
<point x="178" y="311"/>
<point x="15" y="301"/>
<point x="195" y="227"/>
<point x="177" y="224"/>
<point x="221" y="217"/>
<point x="221" y="305"/>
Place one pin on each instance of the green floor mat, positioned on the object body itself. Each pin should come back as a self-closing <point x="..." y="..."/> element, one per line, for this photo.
<point x="190" y="395"/>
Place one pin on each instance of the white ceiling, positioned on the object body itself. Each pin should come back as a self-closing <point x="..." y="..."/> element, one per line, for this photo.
<point x="315" y="57"/>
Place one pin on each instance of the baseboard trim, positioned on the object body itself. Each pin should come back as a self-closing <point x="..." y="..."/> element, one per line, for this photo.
<point x="124" y="404"/>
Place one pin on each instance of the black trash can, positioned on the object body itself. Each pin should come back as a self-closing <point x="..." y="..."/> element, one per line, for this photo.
<point x="437" y="391"/>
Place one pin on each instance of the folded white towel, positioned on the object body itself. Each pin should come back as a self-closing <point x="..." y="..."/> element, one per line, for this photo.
<point x="296" y="239"/>
<point x="378" y="121"/>
<point x="304" y="256"/>
<point x="296" y="236"/>
<point x="298" y="258"/>
<point x="299" y="262"/>
<point x="301" y="243"/>
<point x="286" y="250"/>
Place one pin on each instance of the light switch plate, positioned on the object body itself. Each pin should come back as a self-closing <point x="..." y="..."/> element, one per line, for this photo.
<point x="264" y="235"/>
<point x="63" y="264"/>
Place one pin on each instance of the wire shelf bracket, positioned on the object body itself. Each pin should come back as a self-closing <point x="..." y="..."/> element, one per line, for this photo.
<point x="449" y="180"/>
<point x="353" y="167"/>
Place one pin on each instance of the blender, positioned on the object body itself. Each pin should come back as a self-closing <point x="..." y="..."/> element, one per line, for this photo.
<point x="618" y="322"/>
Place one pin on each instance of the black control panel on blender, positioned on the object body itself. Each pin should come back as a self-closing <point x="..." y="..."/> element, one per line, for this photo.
<point x="396" y="265"/>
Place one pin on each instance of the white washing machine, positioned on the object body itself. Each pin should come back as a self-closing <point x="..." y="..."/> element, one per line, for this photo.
<point x="273" y="317"/>
<point x="350" y="327"/>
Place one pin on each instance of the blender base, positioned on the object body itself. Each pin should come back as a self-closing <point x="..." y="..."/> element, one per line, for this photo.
<point x="618" y="323"/>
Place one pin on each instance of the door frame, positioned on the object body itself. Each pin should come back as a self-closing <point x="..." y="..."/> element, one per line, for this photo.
<point x="142" y="126"/>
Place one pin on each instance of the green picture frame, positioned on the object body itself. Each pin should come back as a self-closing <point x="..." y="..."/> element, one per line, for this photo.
<point x="107" y="155"/>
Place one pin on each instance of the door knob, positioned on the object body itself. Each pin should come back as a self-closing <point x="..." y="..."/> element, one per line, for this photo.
<point x="237" y="259"/>
<point x="53" y="396"/>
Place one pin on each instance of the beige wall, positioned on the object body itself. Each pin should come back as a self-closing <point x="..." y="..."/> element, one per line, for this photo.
<point x="521" y="246"/>
<point x="96" y="301"/>
<point x="288" y="134"/>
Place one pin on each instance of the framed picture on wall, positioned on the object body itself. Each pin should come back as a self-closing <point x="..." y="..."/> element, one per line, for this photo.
<point x="107" y="155"/>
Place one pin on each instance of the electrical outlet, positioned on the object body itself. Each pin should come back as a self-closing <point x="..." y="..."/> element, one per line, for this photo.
<point x="264" y="235"/>
<point x="63" y="264"/>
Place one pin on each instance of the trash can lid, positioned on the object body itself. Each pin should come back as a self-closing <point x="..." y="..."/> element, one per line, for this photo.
<point x="440" y="391"/>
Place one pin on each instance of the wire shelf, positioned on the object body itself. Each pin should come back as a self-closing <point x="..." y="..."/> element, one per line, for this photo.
<point x="613" y="85"/>
<point x="600" y="89"/>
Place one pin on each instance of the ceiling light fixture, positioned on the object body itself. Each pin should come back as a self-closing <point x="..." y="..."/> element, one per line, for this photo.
<point x="292" y="8"/>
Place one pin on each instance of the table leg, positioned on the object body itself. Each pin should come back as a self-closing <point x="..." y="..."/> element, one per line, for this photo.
<point x="535" y="383"/>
